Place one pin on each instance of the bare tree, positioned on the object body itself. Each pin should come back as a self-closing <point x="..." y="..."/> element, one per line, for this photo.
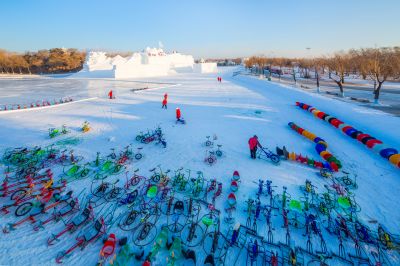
<point x="338" y="65"/>
<point x="381" y="64"/>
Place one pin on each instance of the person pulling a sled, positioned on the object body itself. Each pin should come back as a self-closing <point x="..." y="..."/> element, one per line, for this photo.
<point x="253" y="144"/>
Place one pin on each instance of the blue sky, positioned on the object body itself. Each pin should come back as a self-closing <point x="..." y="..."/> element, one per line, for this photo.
<point x="214" y="28"/>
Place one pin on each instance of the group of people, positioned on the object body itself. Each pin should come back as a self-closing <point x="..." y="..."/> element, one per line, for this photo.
<point x="219" y="79"/>
<point x="177" y="111"/>
<point x="253" y="141"/>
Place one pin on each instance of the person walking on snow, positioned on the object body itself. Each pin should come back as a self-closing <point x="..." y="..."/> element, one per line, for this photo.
<point x="164" y="103"/>
<point x="178" y="114"/>
<point x="165" y="95"/>
<point x="110" y="94"/>
<point x="253" y="144"/>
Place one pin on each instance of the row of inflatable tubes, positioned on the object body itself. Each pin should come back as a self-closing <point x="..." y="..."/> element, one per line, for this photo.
<point x="36" y="104"/>
<point x="308" y="161"/>
<point x="321" y="147"/>
<point x="372" y="143"/>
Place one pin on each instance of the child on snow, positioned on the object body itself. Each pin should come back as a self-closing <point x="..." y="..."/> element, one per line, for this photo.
<point x="110" y="94"/>
<point x="178" y="114"/>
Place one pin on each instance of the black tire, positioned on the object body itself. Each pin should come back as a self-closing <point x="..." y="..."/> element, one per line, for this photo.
<point x="218" y="153"/>
<point x="138" y="156"/>
<point x="19" y="194"/>
<point x="275" y="159"/>
<point x="133" y="182"/>
<point x="23" y="209"/>
<point x="210" y="160"/>
<point x="139" y="138"/>
<point x="208" y="143"/>
<point x="145" y="234"/>
<point x="156" y="178"/>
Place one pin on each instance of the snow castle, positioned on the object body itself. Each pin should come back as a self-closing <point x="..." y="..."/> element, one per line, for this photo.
<point x="151" y="62"/>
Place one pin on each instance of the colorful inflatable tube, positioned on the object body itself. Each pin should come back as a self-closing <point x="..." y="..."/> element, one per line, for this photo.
<point x="372" y="143"/>
<point x="43" y="103"/>
<point x="321" y="146"/>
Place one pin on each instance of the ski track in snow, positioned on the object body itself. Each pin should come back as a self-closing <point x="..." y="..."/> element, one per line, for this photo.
<point x="227" y="109"/>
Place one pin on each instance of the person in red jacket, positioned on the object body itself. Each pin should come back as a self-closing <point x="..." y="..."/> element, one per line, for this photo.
<point x="178" y="114"/>
<point x="110" y="94"/>
<point x="164" y="103"/>
<point x="253" y="144"/>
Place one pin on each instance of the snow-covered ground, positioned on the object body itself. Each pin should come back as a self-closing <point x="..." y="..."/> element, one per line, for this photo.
<point x="233" y="110"/>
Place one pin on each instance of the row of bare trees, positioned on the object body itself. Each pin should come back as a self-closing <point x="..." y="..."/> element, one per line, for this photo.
<point x="57" y="60"/>
<point x="376" y="65"/>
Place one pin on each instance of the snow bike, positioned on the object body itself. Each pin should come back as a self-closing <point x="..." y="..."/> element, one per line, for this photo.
<point x="33" y="209"/>
<point x="265" y="153"/>
<point x="86" y="127"/>
<point x="55" y="132"/>
<point x="73" y="224"/>
<point x="210" y="158"/>
<point x="208" y="142"/>
<point x="89" y="235"/>
<point x="218" y="152"/>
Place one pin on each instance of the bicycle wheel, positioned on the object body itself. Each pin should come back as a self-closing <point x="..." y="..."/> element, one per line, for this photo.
<point x="23" y="209"/>
<point x="114" y="194"/>
<point x="130" y="221"/>
<point x="156" y="178"/>
<point x="144" y="234"/>
<point x="210" y="160"/>
<point x="218" y="153"/>
<point x="134" y="181"/>
<point x="192" y="234"/>
<point x="274" y="158"/>
<point x="138" y="156"/>
<point x="19" y="194"/>
<point x="215" y="243"/>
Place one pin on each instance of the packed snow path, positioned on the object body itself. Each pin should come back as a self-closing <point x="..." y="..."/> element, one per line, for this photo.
<point x="234" y="110"/>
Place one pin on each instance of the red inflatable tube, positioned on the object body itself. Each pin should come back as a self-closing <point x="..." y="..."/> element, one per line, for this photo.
<point x="346" y="128"/>
<point x="334" y="167"/>
<point x="320" y="115"/>
<point x="361" y="136"/>
<point x="336" y="122"/>
<point x="372" y="142"/>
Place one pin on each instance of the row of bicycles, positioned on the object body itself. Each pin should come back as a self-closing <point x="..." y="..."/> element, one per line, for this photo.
<point x="316" y="228"/>
<point x="174" y="217"/>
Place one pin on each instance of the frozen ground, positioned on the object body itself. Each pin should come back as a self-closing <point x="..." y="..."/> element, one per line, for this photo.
<point x="234" y="110"/>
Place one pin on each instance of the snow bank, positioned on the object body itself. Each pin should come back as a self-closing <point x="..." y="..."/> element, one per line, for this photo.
<point x="205" y="68"/>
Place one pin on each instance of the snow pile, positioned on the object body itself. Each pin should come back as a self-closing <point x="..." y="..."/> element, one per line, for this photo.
<point x="205" y="68"/>
<point x="151" y="62"/>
